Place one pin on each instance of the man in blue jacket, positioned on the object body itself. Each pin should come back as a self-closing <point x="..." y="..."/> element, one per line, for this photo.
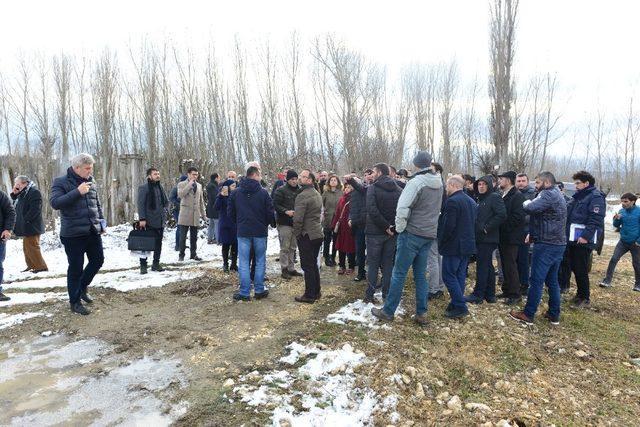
<point x="457" y="242"/>
<point x="82" y="224"/>
<point x="585" y="212"/>
<point x="628" y="221"/>
<point x="547" y="223"/>
<point x="252" y="208"/>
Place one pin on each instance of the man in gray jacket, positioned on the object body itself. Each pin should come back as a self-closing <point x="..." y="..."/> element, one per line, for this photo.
<point x="152" y="205"/>
<point x="417" y="224"/>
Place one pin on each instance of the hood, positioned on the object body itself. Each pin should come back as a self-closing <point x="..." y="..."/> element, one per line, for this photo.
<point x="248" y="185"/>
<point x="428" y="179"/>
<point x="488" y="179"/>
<point x="386" y="183"/>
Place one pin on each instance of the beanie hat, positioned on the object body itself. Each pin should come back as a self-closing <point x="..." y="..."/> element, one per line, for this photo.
<point x="422" y="160"/>
<point x="291" y="174"/>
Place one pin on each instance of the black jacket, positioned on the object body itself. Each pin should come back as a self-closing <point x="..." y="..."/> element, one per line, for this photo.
<point x="514" y="230"/>
<point x="7" y="213"/>
<point x="358" y="210"/>
<point x="79" y="214"/>
<point x="212" y="193"/>
<point x="284" y="199"/>
<point x="28" y="205"/>
<point x="155" y="216"/>
<point x="491" y="213"/>
<point x="382" y="201"/>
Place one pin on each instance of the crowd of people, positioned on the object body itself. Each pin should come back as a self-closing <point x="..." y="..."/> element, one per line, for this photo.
<point x="379" y="225"/>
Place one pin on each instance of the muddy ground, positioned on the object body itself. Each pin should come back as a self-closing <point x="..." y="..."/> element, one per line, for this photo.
<point x="580" y="373"/>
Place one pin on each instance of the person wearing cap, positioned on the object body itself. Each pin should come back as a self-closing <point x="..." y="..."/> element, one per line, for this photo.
<point x="417" y="227"/>
<point x="491" y="214"/>
<point x="284" y="199"/>
<point x="512" y="235"/>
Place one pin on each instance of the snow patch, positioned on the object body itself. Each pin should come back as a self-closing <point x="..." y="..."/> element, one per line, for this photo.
<point x="360" y="312"/>
<point x="7" y="320"/>
<point x="33" y="298"/>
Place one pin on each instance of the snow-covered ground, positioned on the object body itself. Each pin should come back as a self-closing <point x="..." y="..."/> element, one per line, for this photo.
<point x="116" y="255"/>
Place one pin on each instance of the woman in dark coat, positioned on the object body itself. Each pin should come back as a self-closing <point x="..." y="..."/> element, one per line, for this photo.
<point x="345" y="243"/>
<point x="227" y="227"/>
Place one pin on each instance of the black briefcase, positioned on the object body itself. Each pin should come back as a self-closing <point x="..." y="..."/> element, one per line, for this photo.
<point x="141" y="240"/>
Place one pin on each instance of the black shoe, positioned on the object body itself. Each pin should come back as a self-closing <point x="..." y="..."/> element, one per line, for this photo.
<point x="456" y="313"/>
<point x="84" y="296"/>
<point x="80" y="309"/>
<point x="180" y="258"/>
<point x="233" y="267"/>
<point x="305" y="299"/>
<point x="156" y="267"/>
<point x="473" y="299"/>
<point x="3" y="297"/>
<point x="491" y="300"/>
<point x="524" y="290"/>
<point x="435" y="295"/>
<point x="513" y="301"/>
<point x="380" y="314"/>
<point x="295" y="273"/>
<point x="238" y="297"/>
<point x="196" y="258"/>
<point x="581" y="303"/>
<point x="261" y="295"/>
<point x="143" y="267"/>
<point x="285" y="274"/>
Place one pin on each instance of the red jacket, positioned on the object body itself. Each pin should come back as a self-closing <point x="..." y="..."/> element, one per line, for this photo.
<point x="344" y="240"/>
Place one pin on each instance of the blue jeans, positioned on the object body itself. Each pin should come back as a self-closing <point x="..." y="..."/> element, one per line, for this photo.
<point x="411" y="250"/>
<point x="523" y="265"/>
<point x="3" y="252"/>
<point x="78" y="279"/>
<point x="454" y="274"/>
<point x="545" y="263"/>
<point x="259" y="245"/>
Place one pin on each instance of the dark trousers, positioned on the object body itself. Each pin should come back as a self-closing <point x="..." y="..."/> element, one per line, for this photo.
<point x="485" y="273"/>
<point x="579" y="262"/>
<point x="157" y="250"/>
<point x="309" y="250"/>
<point x="509" y="258"/>
<point x="621" y="249"/>
<point x="343" y="257"/>
<point x="193" y="239"/>
<point x="454" y="274"/>
<point x="564" y="274"/>
<point x="329" y="244"/>
<point x="78" y="279"/>
<point x="380" y="254"/>
<point x="523" y="265"/>
<point x="233" y="248"/>
<point x="361" y="247"/>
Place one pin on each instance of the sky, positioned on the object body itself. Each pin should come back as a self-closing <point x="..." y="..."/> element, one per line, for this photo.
<point x="591" y="45"/>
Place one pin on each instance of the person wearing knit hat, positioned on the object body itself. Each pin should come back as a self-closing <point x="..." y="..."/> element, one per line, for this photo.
<point x="284" y="199"/>
<point x="422" y="160"/>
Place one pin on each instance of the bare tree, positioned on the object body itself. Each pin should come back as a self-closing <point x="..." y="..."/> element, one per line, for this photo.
<point x="502" y="44"/>
<point x="470" y="126"/>
<point x="62" y="75"/>
<point x="421" y="81"/>
<point x="447" y="90"/>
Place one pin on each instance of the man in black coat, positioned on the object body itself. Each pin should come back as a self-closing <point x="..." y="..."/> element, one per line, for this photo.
<point x="491" y="214"/>
<point x="512" y="235"/>
<point x="82" y="224"/>
<point x="284" y="200"/>
<point x="382" y="201"/>
<point x="212" y="212"/>
<point x="7" y="222"/>
<point x="152" y="205"/>
<point x="529" y="193"/>
<point x="358" y="218"/>
<point x="27" y="201"/>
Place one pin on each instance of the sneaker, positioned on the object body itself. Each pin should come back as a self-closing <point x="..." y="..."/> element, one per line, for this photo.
<point x="3" y="297"/>
<point x="521" y="317"/>
<point x="555" y="321"/>
<point x="435" y="295"/>
<point x="636" y="288"/>
<point x="421" y="319"/>
<point x="473" y="299"/>
<point x="381" y="314"/>
<point x="238" y="297"/>
<point x="261" y="295"/>
<point x="605" y="284"/>
<point x="581" y="303"/>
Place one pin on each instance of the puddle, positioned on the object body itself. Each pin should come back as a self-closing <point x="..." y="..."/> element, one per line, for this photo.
<point x="55" y="380"/>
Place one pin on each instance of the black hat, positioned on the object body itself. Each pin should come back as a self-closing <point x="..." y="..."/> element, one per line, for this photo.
<point x="509" y="174"/>
<point x="291" y="174"/>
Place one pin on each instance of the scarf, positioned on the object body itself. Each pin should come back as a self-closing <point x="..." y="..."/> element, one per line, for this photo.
<point x="152" y="185"/>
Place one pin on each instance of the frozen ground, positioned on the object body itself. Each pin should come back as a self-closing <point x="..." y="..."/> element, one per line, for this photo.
<point x="55" y="380"/>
